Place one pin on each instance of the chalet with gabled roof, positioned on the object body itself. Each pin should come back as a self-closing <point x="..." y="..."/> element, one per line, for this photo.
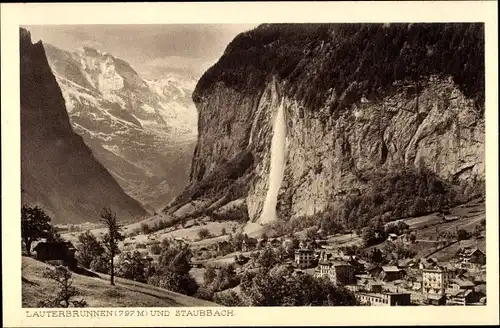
<point x="471" y="257"/>
<point x="56" y="252"/>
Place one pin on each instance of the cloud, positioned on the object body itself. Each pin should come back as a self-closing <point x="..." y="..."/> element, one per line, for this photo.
<point x="196" y="66"/>
<point x="92" y="44"/>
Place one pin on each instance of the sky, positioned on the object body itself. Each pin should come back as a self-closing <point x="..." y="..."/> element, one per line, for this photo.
<point x="149" y="49"/>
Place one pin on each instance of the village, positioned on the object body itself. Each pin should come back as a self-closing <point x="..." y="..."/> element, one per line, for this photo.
<point x="401" y="270"/>
<point x="401" y="283"/>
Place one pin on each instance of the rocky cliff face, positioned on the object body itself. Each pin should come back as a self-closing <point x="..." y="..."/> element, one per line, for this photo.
<point x="142" y="131"/>
<point x="58" y="170"/>
<point x="349" y="116"/>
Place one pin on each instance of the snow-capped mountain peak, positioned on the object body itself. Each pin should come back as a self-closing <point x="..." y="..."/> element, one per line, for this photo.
<point x="131" y="124"/>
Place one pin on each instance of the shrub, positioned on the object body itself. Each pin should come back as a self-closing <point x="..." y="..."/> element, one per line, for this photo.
<point x="228" y="298"/>
<point x="89" y="248"/>
<point x="174" y="281"/>
<point x="204" y="233"/>
<point x="140" y="246"/>
<point x="155" y="249"/>
<point x="236" y="213"/>
<point x="145" y="229"/>
<point x="173" y="270"/>
<point x="100" y="264"/>
<point x="463" y="234"/>
<point x="131" y="266"/>
<point x="205" y="294"/>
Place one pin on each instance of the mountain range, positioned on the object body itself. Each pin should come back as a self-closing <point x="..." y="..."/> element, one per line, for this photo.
<point x="142" y="131"/>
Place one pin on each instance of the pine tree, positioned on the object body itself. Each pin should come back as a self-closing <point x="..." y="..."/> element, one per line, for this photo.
<point x="111" y="238"/>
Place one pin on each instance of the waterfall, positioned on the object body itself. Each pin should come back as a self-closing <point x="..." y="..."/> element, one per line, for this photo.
<point x="277" y="166"/>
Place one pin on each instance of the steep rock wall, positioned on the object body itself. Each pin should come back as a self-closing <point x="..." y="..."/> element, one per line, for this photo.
<point x="58" y="170"/>
<point x="337" y="137"/>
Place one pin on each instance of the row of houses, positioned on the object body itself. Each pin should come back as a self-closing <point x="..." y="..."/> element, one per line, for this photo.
<point x="388" y="285"/>
<point x="250" y="244"/>
<point x="448" y="284"/>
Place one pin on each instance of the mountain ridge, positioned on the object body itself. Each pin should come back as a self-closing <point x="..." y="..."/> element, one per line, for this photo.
<point x="58" y="170"/>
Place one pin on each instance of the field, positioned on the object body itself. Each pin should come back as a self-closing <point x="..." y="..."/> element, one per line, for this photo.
<point x="429" y="227"/>
<point x="98" y="292"/>
<point x="189" y="233"/>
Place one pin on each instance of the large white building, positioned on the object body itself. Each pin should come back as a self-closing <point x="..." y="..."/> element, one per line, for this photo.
<point x="436" y="280"/>
<point x="340" y="273"/>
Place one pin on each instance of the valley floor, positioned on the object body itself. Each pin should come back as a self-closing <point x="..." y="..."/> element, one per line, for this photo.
<point x="429" y="244"/>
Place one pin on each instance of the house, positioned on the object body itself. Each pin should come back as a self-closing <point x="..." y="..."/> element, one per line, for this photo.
<point x="308" y="243"/>
<point x="470" y="258"/>
<point x="248" y="244"/>
<point x="287" y="242"/>
<point x="384" y="299"/>
<point x="436" y="280"/>
<point x="357" y="266"/>
<point x="261" y="243"/>
<point x="304" y="257"/>
<point x="353" y="288"/>
<point x="196" y="264"/>
<point x="373" y="270"/>
<point x="435" y="299"/>
<point x="180" y="241"/>
<point x="303" y="244"/>
<point x="463" y="296"/>
<point x="370" y="285"/>
<point x="241" y="259"/>
<point x="339" y="273"/>
<point x="56" y="252"/>
<point x="458" y="284"/>
<point x="340" y="255"/>
<point x="392" y="237"/>
<point x="364" y="100"/>
<point x="405" y="263"/>
<point x="390" y="273"/>
<point x="416" y="285"/>
<point x="274" y="242"/>
<point x="426" y="263"/>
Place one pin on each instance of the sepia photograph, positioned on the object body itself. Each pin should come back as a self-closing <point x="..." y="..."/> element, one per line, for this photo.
<point x="267" y="164"/>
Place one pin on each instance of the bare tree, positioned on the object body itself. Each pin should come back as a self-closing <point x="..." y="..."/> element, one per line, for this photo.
<point x="111" y="238"/>
<point x="67" y="291"/>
